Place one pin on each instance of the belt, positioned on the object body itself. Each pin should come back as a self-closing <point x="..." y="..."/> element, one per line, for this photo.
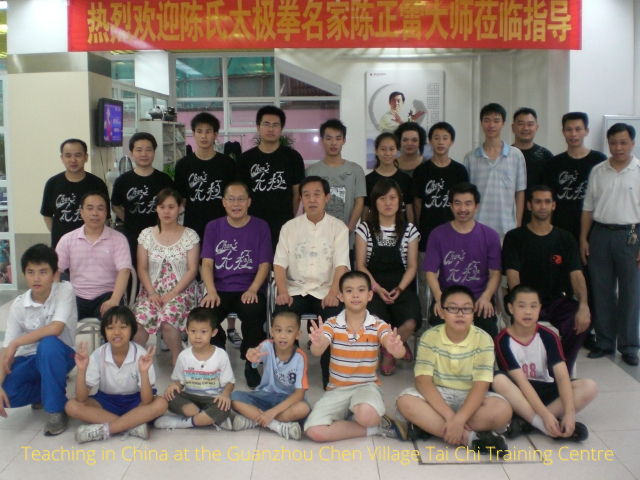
<point x="611" y="226"/>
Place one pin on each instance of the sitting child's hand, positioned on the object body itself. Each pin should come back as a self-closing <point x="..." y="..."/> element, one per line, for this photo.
<point x="223" y="401"/>
<point x="171" y="391"/>
<point x="394" y="344"/>
<point x="146" y="360"/>
<point x="82" y="357"/>
<point x="316" y="336"/>
<point x="264" y="419"/>
<point x="254" y="355"/>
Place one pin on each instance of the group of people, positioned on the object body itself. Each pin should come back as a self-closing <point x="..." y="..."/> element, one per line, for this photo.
<point x="409" y="215"/>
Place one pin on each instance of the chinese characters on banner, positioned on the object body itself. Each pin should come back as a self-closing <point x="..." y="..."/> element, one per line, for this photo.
<point x="96" y="25"/>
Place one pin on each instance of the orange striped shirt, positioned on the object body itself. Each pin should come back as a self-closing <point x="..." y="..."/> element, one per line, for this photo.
<point x="354" y="359"/>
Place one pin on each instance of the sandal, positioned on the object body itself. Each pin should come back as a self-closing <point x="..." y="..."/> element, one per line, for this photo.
<point x="390" y="368"/>
<point x="408" y="356"/>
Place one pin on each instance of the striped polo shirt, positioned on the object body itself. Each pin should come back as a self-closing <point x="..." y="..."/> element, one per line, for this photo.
<point x="455" y="365"/>
<point x="354" y="358"/>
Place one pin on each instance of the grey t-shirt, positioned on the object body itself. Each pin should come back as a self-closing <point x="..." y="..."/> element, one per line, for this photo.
<point x="347" y="183"/>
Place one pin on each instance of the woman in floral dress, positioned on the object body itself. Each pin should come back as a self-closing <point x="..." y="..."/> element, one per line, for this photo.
<point x="168" y="256"/>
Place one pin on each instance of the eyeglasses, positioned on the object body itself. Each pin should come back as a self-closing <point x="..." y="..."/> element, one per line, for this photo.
<point x="234" y="199"/>
<point x="455" y="310"/>
<point x="268" y="125"/>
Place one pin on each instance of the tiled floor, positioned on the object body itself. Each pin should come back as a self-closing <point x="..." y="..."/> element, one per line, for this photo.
<point x="613" y="420"/>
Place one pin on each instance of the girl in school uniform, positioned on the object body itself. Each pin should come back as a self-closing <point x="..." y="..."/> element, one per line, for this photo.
<point x="123" y="371"/>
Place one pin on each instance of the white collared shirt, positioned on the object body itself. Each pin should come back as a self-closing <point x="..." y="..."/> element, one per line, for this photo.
<point x="612" y="196"/>
<point x="310" y="253"/>
<point x="26" y="315"/>
<point x="114" y="380"/>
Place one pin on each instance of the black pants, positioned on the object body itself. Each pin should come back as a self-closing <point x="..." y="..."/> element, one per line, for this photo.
<point x="252" y="315"/>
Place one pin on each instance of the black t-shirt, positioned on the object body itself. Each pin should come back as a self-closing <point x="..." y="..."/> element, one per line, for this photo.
<point x="536" y="159"/>
<point x="544" y="262"/>
<point x="61" y="201"/>
<point x="137" y="195"/>
<point x="403" y="179"/>
<point x="569" y="178"/>
<point x="271" y="177"/>
<point x="431" y="184"/>
<point x="202" y="182"/>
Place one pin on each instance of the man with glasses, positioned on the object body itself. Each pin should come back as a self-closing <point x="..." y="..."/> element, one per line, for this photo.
<point x="236" y="259"/>
<point x="465" y="252"/>
<point x="272" y="172"/>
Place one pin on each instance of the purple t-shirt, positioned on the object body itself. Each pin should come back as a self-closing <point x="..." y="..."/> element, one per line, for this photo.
<point x="236" y="252"/>
<point x="463" y="259"/>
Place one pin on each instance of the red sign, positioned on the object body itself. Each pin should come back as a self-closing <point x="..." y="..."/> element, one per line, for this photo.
<point x="259" y="24"/>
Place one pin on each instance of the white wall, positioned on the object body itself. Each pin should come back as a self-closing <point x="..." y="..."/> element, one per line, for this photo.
<point x="602" y="73"/>
<point x="37" y="26"/>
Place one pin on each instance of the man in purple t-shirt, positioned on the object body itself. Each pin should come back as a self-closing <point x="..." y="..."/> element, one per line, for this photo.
<point x="236" y="256"/>
<point x="465" y="252"/>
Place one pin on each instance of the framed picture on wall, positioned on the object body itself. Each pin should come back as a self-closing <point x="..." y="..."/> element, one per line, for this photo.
<point x="398" y="96"/>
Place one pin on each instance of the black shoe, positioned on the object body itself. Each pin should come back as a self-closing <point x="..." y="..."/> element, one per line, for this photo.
<point x="414" y="432"/>
<point x="630" y="359"/>
<point x="518" y="426"/>
<point x="252" y="375"/>
<point x="590" y="342"/>
<point x="599" y="353"/>
<point x="489" y="442"/>
<point x="580" y="434"/>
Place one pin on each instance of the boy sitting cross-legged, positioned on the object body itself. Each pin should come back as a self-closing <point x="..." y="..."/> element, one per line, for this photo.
<point x="202" y="379"/>
<point x="279" y="401"/>
<point x="454" y="368"/>
<point x="353" y="406"/>
<point x="537" y="384"/>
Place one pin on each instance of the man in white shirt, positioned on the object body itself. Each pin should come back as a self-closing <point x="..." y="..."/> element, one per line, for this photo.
<point x="311" y="256"/>
<point x="612" y="250"/>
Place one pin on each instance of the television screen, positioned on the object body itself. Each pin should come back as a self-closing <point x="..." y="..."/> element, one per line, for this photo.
<point x="109" y="123"/>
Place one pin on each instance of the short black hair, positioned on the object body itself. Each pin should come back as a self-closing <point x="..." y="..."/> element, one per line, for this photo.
<point x="92" y="193"/>
<point x="118" y="313"/>
<point x="207" y="119"/>
<point x="443" y="126"/>
<point x="271" y="110"/>
<point x="203" y="315"/>
<point x="454" y="289"/>
<point x="621" y="127"/>
<point x="314" y="178"/>
<point x="540" y="188"/>
<point x="395" y="94"/>
<point x="136" y="137"/>
<point x="287" y="313"/>
<point x="412" y="127"/>
<point x="354" y="274"/>
<point x="493" y="108"/>
<point x="521" y="288"/>
<point x="75" y="140"/>
<point x="38" y="254"/>
<point x="333" y="124"/>
<point x="237" y="183"/>
<point x="464" y="187"/>
<point x="576" y="116"/>
<point x="525" y="111"/>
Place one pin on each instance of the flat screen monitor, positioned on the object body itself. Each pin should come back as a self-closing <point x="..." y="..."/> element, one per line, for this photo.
<point x="109" y="123"/>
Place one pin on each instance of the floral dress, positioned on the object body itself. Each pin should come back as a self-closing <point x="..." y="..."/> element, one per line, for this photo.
<point x="167" y="265"/>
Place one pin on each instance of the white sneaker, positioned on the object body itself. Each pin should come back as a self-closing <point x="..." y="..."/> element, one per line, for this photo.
<point x="227" y="424"/>
<point x="170" y="422"/>
<point x="243" y="423"/>
<point x="290" y="430"/>
<point x="92" y="432"/>
<point x="141" y="431"/>
<point x="234" y="338"/>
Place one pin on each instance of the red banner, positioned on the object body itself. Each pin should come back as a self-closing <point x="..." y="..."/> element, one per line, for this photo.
<point x="259" y="24"/>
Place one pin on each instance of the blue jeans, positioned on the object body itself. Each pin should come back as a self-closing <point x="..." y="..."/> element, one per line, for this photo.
<point x="41" y="377"/>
